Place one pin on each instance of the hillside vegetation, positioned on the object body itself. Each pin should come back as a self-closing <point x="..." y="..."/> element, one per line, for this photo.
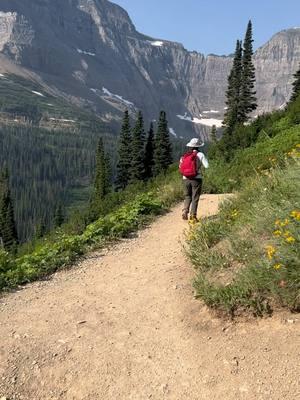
<point x="48" y="147"/>
<point x="129" y="210"/>
<point x="248" y="257"/>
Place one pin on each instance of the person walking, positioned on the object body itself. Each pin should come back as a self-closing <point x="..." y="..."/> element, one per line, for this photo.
<point x="190" y="167"/>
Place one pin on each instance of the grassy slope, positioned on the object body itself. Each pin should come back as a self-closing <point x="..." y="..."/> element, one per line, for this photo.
<point x="248" y="257"/>
<point x="63" y="247"/>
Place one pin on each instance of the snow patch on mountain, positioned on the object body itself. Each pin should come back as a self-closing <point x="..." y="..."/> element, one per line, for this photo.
<point x="211" y="112"/>
<point x="88" y="53"/>
<point x="156" y="43"/>
<point x="62" y="120"/>
<point x="38" y="93"/>
<point x="115" y="96"/>
<point x="210" y="122"/>
<point x="172" y="131"/>
<point x="201" y="121"/>
<point x="184" y="117"/>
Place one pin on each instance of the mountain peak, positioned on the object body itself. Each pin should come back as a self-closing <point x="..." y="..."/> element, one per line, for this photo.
<point x="79" y="47"/>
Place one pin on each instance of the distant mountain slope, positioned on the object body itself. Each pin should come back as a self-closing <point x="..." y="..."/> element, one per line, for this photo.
<point x="90" y="53"/>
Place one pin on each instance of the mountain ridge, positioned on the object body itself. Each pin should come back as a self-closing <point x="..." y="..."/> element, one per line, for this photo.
<point x="107" y="55"/>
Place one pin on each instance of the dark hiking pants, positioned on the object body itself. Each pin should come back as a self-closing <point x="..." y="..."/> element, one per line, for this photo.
<point x="192" y="189"/>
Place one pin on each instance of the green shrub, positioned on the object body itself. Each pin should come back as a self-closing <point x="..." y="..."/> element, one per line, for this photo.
<point x="254" y="244"/>
<point x="223" y="177"/>
<point x="63" y="248"/>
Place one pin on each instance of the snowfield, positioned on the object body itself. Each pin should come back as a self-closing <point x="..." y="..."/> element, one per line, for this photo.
<point x="211" y="112"/>
<point x="210" y="122"/>
<point x="201" y="121"/>
<point x="157" y="43"/>
<point x="115" y="96"/>
<point x="86" y="52"/>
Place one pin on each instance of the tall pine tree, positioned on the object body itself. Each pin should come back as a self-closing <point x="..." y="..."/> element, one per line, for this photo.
<point x="248" y="98"/>
<point x="233" y="93"/>
<point x="149" y="153"/>
<point x="41" y="228"/>
<point x="137" y="169"/>
<point x="163" y="147"/>
<point x="59" y="217"/>
<point x="102" y="176"/>
<point x="213" y="134"/>
<point x="102" y="184"/>
<point x="8" y="232"/>
<point x="125" y="158"/>
<point x="296" y="86"/>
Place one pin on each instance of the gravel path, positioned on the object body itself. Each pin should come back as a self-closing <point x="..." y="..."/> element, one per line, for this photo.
<point x="123" y="324"/>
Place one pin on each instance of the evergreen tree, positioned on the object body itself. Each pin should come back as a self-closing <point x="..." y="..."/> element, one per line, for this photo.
<point x="102" y="175"/>
<point x="124" y="164"/>
<point x="137" y="169"/>
<point x="41" y="229"/>
<point x="233" y="92"/>
<point x="213" y="134"/>
<point x="102" y="184"/>
<point x="59" y="217"/>
<point x="296" y="86"/>
<point x="248" y="98"/>
<point x="149" y="153"/>
<point x="8" y="230"/>
<point x="163" y="147"/>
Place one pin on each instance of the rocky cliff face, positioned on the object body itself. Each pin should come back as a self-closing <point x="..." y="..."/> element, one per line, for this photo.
<point x="90" y="52"/>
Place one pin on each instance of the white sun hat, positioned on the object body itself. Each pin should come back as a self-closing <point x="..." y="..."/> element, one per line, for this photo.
<point x="195" y="142"/>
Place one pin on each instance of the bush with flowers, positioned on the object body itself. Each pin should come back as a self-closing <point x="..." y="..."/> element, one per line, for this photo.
<point x="255" y="243"/>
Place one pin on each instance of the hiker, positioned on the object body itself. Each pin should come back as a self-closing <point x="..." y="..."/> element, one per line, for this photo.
<point x="190" y="167"/>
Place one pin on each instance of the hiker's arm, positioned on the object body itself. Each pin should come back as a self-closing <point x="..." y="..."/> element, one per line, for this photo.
<point x="204" y="160"/>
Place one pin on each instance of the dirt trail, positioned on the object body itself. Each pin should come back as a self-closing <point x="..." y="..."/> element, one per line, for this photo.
<point x="124" y="325"/>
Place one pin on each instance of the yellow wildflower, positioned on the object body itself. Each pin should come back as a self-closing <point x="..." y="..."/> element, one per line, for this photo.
<point x="234" y="213"/>
<point x="296" y="215"/>
<point x="287" y="234"/>
<point x="278" y="266"/>
<point x="270" y="251"/>
<point x="277" y="233"/>
<point x="290" y="239"/>
<point x="277" y="222"/>
<point x="285" y="222"/>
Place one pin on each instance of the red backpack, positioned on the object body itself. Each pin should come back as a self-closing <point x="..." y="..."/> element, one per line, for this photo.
<point x="189" y="165"/>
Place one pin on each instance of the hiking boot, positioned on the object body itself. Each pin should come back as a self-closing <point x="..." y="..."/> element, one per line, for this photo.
<point x="185" y="215"/>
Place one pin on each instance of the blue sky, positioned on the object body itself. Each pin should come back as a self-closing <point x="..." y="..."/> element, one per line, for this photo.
<point x="212" y="26"/>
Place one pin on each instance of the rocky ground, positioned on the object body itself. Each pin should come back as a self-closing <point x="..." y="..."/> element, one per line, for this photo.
<point x="123" y="324"/>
